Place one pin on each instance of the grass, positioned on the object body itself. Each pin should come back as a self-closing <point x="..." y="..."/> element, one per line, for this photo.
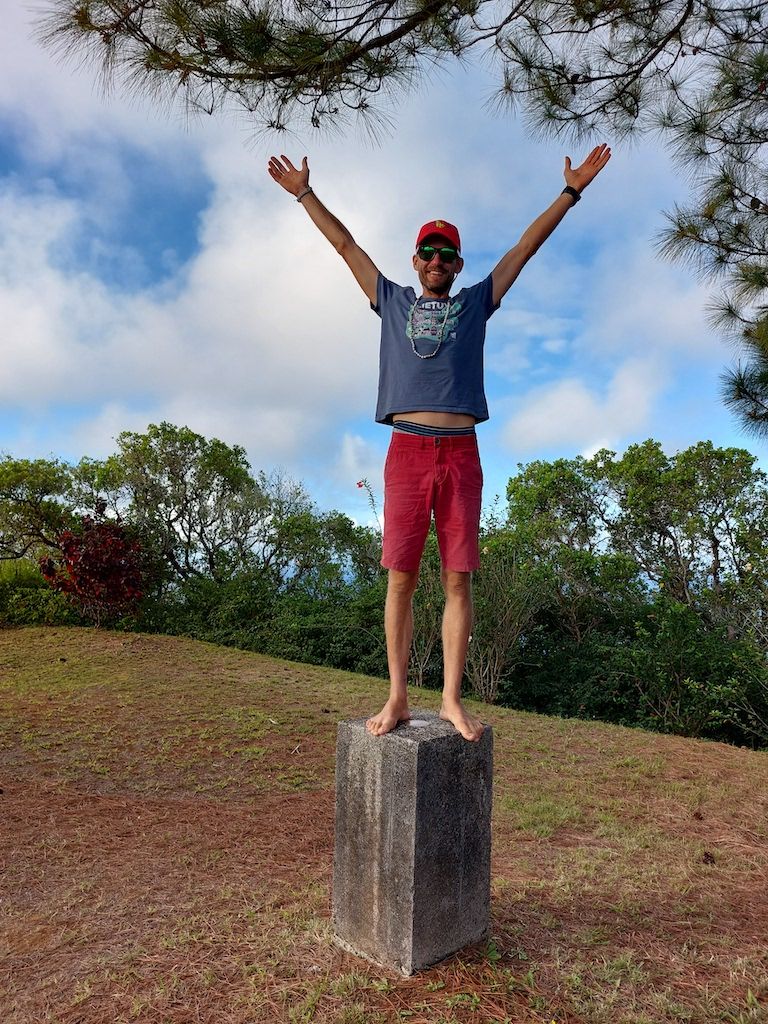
<point x="167" y="838"/>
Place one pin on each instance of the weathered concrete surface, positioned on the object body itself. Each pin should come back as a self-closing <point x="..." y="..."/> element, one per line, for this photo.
<point x="412" y="863"/>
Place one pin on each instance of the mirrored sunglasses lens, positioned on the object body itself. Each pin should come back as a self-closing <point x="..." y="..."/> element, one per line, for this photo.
<point x="446" y="254"/>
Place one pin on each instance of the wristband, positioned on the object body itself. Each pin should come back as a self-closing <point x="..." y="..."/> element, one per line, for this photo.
<point x="569" y="190"/>
<point x="307" y="191"/>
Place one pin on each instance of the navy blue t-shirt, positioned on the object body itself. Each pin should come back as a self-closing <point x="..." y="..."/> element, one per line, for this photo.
<point x="449" y="377"/>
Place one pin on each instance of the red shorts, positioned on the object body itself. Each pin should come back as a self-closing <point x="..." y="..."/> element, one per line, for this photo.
<point x="423" y="475"/>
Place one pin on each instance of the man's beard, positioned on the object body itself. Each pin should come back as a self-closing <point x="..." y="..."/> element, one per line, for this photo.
<point x="438" y="285"/>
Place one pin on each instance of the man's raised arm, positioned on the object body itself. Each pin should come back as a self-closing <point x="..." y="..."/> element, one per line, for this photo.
<point x="576" y="180"/>
<point x="296" y="181"/>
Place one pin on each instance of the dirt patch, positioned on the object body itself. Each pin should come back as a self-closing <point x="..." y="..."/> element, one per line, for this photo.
<point x="166" y="837"/>
<point x="182" y="910"/>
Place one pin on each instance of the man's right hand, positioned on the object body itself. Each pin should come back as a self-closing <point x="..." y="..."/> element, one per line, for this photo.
<point x="293" y="179"/>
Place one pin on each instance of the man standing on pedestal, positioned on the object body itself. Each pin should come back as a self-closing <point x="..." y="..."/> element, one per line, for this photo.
<point x="431" y="393"/>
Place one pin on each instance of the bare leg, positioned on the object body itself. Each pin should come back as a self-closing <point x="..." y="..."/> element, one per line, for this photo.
<point x="457" y="626"/>
<point x="398" y="626"/>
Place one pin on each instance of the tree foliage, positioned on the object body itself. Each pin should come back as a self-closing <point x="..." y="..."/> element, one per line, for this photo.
<point x="657" y="579"/>
<point x="195" y="497"/>
<point x="507" y="595"/>
<point x="690" y="523"/>
<point x="33" y="505"/>
<point x="585" y="64"/>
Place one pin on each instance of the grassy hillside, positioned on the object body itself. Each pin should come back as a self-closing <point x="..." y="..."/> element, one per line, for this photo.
<point x="166" y="846"/>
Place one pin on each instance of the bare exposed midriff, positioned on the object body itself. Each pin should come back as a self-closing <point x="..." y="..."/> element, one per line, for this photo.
<point x="437" y="419"/>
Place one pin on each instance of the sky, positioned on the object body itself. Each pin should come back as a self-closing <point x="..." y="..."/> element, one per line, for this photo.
<point x="151" y="270"/>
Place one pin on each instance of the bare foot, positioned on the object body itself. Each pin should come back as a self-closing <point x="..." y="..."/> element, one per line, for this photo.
<point x="390" y="715"/>
<point x="471" y="728"/>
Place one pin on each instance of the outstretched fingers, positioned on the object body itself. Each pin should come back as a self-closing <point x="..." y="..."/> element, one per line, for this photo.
<point x="275" y="168"/>
<point x="282" y="170"/>
<point x="581" y="176"/>
<point x="599" y="151"/>
<point x="599" y="156"/>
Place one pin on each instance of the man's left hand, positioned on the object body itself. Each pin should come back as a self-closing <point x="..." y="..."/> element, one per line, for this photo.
<point x="580" y="177"/>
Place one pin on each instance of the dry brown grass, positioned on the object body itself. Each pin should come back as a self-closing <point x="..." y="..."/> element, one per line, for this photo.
<point x="166" y="846"/>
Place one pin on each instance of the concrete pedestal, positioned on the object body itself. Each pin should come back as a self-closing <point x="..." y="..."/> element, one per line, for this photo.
<point x="411" y="871"/>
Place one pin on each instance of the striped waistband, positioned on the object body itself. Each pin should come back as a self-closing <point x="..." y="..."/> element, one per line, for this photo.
<point x="423" y="430"/>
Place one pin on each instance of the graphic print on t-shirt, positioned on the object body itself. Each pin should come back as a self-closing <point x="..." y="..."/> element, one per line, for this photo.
<point x="430" y="326"/>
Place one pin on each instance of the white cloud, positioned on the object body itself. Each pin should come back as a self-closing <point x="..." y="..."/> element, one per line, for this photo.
<point x="642" y="304"/>
<point x="573" y="413"/>
<point x="59" y="108"/>
<point x="360" y="460"/>
<point x="233" y="336"/>
<point x="509" y="360"/>
<point x="519" y="332"/>
<point x="555" y="346"/>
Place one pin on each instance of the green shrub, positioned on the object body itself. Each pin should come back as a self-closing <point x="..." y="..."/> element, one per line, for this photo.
<point x="668" y="670"/>
<point x="27" y="600"/>
<point x="342" y="630"/>
<point x="691" y="678"/>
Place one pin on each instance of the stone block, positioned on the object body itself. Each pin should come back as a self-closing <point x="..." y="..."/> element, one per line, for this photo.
<point x="412" y="860"/>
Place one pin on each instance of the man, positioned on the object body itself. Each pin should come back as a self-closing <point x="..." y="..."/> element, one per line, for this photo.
<point x="431" y="392"/>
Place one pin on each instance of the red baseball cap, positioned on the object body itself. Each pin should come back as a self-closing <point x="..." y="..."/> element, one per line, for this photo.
<point x="442" y="228"/>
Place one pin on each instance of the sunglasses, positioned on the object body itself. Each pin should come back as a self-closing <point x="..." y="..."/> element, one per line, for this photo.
<point x="446" y="253"/>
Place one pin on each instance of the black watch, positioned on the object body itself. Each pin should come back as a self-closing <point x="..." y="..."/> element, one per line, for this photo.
<point x="571" y="191"/>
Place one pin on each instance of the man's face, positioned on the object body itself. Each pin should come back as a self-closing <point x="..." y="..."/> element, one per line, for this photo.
<point x="437" y="274"/>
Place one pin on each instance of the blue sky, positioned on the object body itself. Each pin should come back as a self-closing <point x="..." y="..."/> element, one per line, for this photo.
<point x="151" y="270"/>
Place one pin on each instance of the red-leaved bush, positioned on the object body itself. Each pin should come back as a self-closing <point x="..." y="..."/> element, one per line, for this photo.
<point x="100" y="569"/>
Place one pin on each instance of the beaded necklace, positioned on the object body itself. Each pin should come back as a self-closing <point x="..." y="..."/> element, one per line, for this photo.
<point x="409" y="329"/>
